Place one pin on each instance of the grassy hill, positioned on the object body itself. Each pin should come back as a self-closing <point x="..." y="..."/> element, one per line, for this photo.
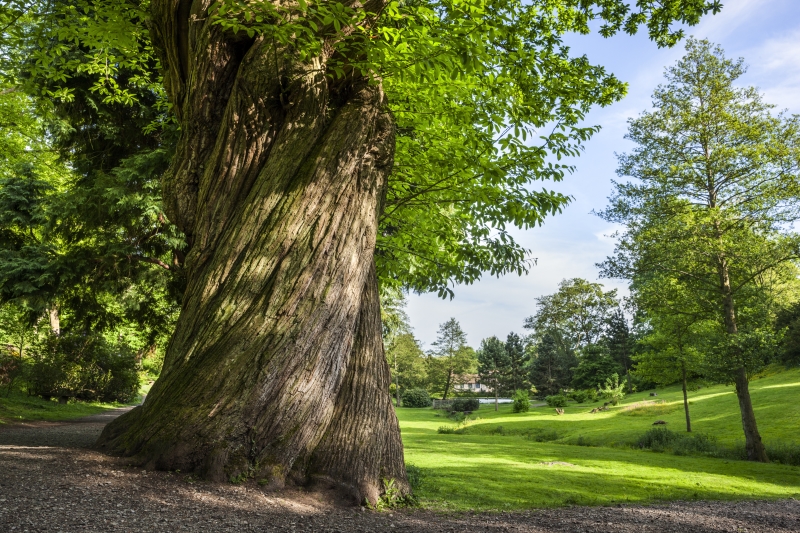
<point x="495" y="461"/>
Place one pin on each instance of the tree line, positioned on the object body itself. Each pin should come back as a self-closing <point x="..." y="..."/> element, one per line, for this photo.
<point x="577" y="338"/>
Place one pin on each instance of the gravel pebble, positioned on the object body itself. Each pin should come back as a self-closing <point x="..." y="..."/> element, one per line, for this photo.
<point x="50" y="481"/>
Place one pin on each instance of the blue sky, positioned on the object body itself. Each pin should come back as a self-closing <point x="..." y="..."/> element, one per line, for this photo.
<point x="765" y="32"/>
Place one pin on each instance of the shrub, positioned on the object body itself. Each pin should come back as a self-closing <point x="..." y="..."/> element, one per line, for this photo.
<point x="415" y="475"/>
<point x="694" y="443"/>
<point x="81" y="366"/>
<point x="613" y="391"/>
<point x="465" y="404"/>
<point x="522" y="401"/>
<point x="543" y="435"/>
<point x="784" y="453"/>
<point x="457" y="416"/>
<point x="556" y="400"/>
<point x="657" y="439"/>
<point x="446" y="430"/>
<point x="580" y="396"/>
<point x="10" y="369"/>
<point x="417" y="398"/>
<point x="662" y="439"/>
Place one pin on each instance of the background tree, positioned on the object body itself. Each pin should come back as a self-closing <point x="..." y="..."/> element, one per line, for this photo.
<point x="551" y="367"/>
<point x="450" y="359"/>
<point x="712" y="206"/>
<point x="670" y="353"/>
<point x="407" y="363"/>
<point x="493" y="365"/>
<point x="517" y="376"/>
<point x="578" y="310"/>
<point x="620" y="342"/>
<point x="595" y="366"/>
<point x="394" y="324"/>
<point x="787" y="325"/>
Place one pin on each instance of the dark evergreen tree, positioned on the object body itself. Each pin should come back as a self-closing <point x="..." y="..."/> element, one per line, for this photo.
<point x="788" y="323"/>
<point x="595" y="367"/>
<point x="493" y="365"/>
<point x="551" y="370"/>
<point x="619" y="340"/>
<point x="517" y="375"/>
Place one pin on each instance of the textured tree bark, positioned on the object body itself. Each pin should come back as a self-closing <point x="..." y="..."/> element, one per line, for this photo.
<point x="753" y="445"/>
<point x="276" y="368"/>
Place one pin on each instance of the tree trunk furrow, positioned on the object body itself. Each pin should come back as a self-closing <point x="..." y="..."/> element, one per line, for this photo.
<point x="266" y="353"/>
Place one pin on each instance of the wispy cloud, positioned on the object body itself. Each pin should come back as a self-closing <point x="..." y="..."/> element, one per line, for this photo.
<point x="776" y="64"/>
<point x="734" y="15"/>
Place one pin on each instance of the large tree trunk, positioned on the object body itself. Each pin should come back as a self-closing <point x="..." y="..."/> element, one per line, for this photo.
<point x="276" y="368"/>
<point x="753" y="445"/>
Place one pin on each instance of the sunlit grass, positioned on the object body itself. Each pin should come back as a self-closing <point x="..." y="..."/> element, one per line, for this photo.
<point x="649" y="408"/>
<point x="497" y="463"/>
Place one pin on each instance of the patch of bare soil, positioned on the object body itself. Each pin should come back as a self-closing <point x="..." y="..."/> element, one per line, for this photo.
<point x="50" y="481"/>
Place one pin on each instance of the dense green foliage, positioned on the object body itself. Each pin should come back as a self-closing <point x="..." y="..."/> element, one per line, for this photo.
<point x="518" y="359"/>
<point x="87" y="134"/>
<point x="521" y="402"/>
<point x="578" y="311"/>
<point x="556" y="400"/>
<point x="551" y="368"/>
<point x="717" y="179"/>
<point x="465" y="404"/>
<point x="86" y="367"/>
<point x="709" y="242"/>
<point x="595" y="366"/>
<point x="468" y="82"/>
<point x="416" y="398"/>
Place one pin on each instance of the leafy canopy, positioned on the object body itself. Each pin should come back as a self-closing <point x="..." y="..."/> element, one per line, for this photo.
<point x="485" y="96"/>
<point x="578" y="311"/>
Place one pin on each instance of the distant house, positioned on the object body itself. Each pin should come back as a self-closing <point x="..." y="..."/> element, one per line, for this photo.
<point x="471" y="383"/>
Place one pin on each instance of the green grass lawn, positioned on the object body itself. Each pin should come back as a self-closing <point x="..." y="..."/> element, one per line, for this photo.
<point x="484" y="469"/>
<point x="19" y="406"/>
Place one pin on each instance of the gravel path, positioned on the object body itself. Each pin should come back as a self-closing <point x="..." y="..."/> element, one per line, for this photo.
<point x="50" y="481"/>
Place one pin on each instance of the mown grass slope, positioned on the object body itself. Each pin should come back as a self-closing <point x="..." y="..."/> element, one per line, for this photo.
<point x="496" y="462"/>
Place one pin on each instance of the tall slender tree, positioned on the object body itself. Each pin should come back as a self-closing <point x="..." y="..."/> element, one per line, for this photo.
<point x="451" y="358"/>
<point x="712" y="206"/>
<point x="518" y="358"/>
<point x="619" y="340"/>
<point x="493" y="365"/>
